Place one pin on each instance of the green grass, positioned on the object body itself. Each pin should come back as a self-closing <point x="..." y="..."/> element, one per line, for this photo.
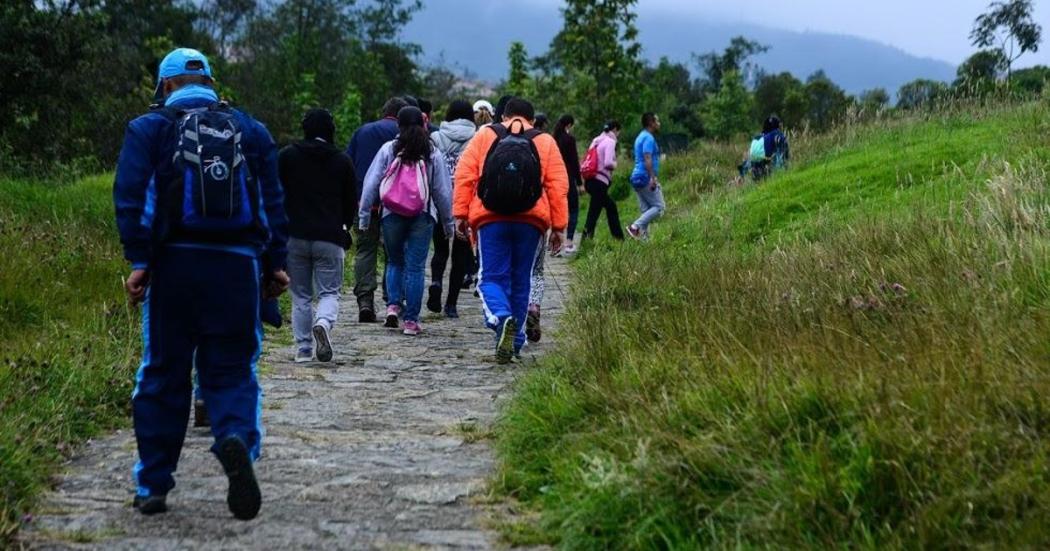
<point x="69" y="339"/>
<point x="854" y="353"/>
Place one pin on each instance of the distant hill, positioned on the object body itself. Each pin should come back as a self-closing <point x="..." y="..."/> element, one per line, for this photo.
<point x="475" y="34"/>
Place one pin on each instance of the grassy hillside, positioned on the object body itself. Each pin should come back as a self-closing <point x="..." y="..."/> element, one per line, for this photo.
<point x="854" y="353"/>
<point x="69" y="341"/>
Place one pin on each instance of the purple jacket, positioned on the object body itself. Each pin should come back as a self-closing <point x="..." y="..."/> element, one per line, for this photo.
<point x="606" y="144"/>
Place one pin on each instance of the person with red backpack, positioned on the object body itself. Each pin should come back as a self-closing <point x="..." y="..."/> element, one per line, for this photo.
<point x="409" y="180"/>
<point x="597" y="169"/>
<point x="511" y="188"/>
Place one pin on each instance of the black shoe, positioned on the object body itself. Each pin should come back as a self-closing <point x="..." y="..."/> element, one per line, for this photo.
<point x="243" y="496"/>
<point x="451" y="313"/>
<point x="151" y="505"/>
<point x="532" y="326"/>
<point x="366" y="315"/>
<point x="322" y="343"/>
<point x="467" y="282"/>
<point x="200" y="414"/>
<point x="505" y="343"/>
<point x="434" y="298"/>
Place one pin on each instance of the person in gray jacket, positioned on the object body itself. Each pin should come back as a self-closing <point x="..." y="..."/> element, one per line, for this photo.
<point x="451" y="139"/>
<point x="407" y="237"/>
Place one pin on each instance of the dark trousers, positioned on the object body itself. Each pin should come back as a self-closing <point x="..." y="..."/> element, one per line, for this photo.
<point x="574" y="210"/>
<point x="600" y="199"/>
<point x="462" y="264"/>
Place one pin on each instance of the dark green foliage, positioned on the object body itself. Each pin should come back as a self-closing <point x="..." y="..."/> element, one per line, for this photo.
<point x="921" y="93"/>
<point x="782" y="95"/>
<point x="733" y="60"/>
<point x="1009" y="27"/>
<point x="827" y="102"/>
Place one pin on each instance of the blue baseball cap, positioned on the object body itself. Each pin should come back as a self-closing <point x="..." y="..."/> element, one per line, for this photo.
<point x="183" y="61"/>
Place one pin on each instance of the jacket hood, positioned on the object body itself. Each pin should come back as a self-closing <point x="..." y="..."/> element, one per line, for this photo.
<point x="316" y="148"/>
<point x="460" y="130"/>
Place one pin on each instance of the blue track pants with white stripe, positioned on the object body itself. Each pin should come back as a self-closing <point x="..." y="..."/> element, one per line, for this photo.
<point x="200" y="303"/>
<point x="506" y="255"/>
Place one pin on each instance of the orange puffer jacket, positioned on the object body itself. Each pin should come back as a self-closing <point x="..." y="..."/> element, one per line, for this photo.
<point x="552" y="209"/>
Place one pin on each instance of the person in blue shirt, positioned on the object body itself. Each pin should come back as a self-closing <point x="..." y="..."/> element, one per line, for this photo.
<point x="363" y="147"/>
<point x="201" y="288"/>
<point x="645" y="177"/>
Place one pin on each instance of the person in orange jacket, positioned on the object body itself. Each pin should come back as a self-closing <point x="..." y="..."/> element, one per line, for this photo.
<point x="511" y="188"/>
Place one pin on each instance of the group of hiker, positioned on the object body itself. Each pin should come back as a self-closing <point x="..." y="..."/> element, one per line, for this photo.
<point x="217" y="223"/>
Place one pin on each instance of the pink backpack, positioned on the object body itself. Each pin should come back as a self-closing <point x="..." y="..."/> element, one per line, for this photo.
<point x="405" y="189"/>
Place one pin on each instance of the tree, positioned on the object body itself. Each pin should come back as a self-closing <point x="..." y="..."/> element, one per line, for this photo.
<point x="874" y="101"/>
<point x="772" y="93"/>
<point x="728" y="112"/>
<point x="1009" y="27"/>
<point x="827" y="102"/>
<point x="920" y="93"/>
<point x="980" y="72"/>
<point x="1032" y="80"/>
<point x="733" y="59"/>
<point x="518" y="58"/>
<point x="599" y="40"/>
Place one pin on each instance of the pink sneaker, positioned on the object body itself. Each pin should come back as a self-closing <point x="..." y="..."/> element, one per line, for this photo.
<point x="412" y="328"/>
<point x="634" y="231"/>
<point x="392" y="313"/>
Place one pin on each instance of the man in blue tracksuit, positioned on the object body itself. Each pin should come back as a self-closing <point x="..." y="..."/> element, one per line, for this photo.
<point x="201" y="290"/>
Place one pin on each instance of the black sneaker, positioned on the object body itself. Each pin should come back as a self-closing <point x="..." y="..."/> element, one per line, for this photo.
<point x="243" y="496"/>
<point x="451" y="313"/>
<point x="532" y="326"/>
<point x="366" y="315"/>
<point x="200" y="414"/>
<point x="434" y="298"/>
<point x="151" y="505"/>
<point x="322" y="343"/>
<point x="505" y="343"/>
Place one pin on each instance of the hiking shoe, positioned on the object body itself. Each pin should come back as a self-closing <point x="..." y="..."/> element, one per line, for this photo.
<point x="451" y="313"/>
<point x="412" y="328"/>
<point x="505" y="343"/>
<point x="634" y="231"/>
<point x="322" y="342"/>
<point x="150" y="505"/>
<point x="304" y="355"/>
<point x="200" y="414"/>
<point x="532" y="325"/>
<point x="366" y="315"/>
<point x="392" y="313"/>
<point x="243" y="496"/>
<point x="434" y="298"/>
<point x="570" y="248"/>
<point x="467" y="282"/>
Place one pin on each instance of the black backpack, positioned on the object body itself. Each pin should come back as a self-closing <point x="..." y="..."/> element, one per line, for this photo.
<point x="213" y="188"/>
<point x="511" y="181"/>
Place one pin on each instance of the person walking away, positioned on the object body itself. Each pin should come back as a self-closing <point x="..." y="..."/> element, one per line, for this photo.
<point x="410" y="180"/>
<point x="482" y="113"/>
<point x="200" y="212"/>
<point x="511" y="188"/>
<point x="644" y="178"/>
<point x="428" y="114"/>
<point x="596" y="171"/>
<point x="570" y="155"/>
<point x="320" y="197"/>
<point x="541" y="122"/>
<point x="364" y="145"/>
<point x="450" y="140"/>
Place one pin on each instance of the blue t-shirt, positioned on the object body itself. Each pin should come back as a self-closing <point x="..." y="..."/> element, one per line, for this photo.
<point x="644" y="143"/>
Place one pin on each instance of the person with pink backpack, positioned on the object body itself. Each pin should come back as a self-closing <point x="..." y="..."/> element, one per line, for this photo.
<point x="410" y="182"/>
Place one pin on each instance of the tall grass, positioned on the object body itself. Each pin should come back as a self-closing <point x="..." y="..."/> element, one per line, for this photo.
<point x="852" y="354"/>
<point x="69" y="341"/>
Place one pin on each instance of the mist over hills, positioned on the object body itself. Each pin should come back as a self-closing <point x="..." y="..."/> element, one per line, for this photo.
<point x="475" y="35"/>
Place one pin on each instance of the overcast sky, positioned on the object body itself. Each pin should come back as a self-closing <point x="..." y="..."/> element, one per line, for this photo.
<point x="931" y="28"/>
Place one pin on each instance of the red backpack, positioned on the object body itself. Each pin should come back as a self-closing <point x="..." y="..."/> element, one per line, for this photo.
<point x="589" y="167"/>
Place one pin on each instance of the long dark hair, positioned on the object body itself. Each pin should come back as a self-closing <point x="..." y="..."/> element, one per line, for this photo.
<point x="413" y="141"/>
<point x="564" y="121"/>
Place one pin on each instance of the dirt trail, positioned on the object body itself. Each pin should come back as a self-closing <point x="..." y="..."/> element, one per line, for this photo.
<point x="380" y="449"/>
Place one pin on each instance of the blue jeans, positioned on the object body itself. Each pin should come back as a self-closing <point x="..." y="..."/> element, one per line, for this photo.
<point x="407" y="242"/>
<point x="651" y="203"/>
<point x="506" y="253"/>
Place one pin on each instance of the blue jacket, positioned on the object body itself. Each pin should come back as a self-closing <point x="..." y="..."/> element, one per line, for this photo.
<point x="365" y="144"/>
<point x="145" y="170"/>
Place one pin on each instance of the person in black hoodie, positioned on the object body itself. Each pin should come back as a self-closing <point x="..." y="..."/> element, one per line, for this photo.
<point x="320" y="196"/>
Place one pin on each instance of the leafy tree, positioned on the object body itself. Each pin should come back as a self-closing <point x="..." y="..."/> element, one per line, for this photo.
<point x="348" y="115"/>
<point x="225" y="21"/>
<point x="1009" y="27"/>
<point x="599" y="39"/>
<point x="827" y="102"/>
<point x="729" y="111"/>
<point x="518" y="57"/>
<point x="920" y="93"/>
<point x="772" y="93"/>
<point x="1032" y="80"/>
<point x="733" y="59"/>
<point x="874" y="101"/>
<point x="980" y="72"/>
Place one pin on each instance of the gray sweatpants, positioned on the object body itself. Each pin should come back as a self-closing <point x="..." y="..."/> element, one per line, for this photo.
<point x="316" y="271"/>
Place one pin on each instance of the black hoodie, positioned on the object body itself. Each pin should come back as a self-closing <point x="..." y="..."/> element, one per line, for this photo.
<point x="320" y="191"/>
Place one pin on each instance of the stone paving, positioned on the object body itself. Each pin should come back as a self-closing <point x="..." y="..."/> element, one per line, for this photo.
<point x="384" y="448"/>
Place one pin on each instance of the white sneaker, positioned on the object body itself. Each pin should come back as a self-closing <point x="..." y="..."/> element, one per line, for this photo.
<point x="322" y="342"/>
<point x="570" y="248"/>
